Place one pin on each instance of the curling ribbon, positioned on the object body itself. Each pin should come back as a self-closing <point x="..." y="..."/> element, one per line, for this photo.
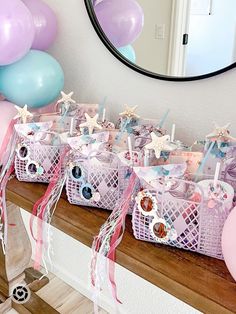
<point x="118" y="235"/>
<point x="7" y="153"/>
<point x="44" y="205"/>
<point x="110" y="236"/>
<point x="3" y="185"/>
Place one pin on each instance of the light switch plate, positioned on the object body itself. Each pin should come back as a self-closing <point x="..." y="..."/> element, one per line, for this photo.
<point x="160" y="31"/>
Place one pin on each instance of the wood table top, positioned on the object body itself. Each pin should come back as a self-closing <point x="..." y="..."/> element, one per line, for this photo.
<point x="198" y="280"/>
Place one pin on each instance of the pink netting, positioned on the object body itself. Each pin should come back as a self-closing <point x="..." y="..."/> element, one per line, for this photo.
<point x="198" y="227"/>
<point x="44" y="156"/>
<point x="106" y="175"/>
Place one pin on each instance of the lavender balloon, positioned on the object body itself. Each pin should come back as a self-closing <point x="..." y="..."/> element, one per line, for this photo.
<point x="95" y="2"/>
<point x="45" y="22"/>
<point x="121" y="20"/>
<point x="16" y="31"/>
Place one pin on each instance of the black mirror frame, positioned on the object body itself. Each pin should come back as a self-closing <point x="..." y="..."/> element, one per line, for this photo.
<point x="115" y="52"/>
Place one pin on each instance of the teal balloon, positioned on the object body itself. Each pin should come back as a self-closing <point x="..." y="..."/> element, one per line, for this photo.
<point x="128" y="52"/>
<point x="35" y="80"/>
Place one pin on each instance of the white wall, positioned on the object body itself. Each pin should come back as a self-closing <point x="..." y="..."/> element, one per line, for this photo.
<point x="212" y="39"/>
<point x="93" y="73"/>
<point x="152" y="53"/>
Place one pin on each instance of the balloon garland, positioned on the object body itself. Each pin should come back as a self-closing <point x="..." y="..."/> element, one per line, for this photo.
<point x="27" y="76"/>
<point x="17" y="31"/>
<point x="45" y="23"/>
<point x="37" y="77"/>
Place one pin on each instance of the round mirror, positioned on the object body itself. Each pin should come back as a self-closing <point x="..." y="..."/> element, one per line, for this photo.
<point x="178" y="40"/>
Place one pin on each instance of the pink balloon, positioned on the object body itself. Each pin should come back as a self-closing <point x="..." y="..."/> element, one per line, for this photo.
<point x="16" y="31"/>
<point x="121" y="20"/>
<point x="8" y="112"/>
<point x="229" y="243"/>
<point x="45" y="22"/>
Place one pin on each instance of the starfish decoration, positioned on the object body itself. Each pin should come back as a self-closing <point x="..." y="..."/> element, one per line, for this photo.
<point x="23" y="113"/>
<point x="129" y="112"/>
<point x="221" y="134"/>
<point x="159" y="144"/>
<point x="91" y="123"/>
<point x="66" y="99"/>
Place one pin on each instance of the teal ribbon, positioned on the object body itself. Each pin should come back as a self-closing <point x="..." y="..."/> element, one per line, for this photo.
<point x="163" y="119"/>
<point x="203" y="162"/>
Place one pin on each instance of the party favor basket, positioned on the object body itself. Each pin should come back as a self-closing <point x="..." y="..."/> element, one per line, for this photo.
<point x="98" y="180"/>
<point x="176" y="212"/>
<point x="38" y="152"/>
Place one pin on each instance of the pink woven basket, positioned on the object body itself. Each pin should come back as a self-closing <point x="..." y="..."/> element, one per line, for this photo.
<point x="98" y="181"/>
<point x="174" y="218"/>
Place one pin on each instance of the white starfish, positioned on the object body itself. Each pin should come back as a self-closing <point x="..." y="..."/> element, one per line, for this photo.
<point x="23" y="113"/>
<point x="159" y="144"/>
<point x="221" y="134"/>
<point x="66" y="98"/>
<point x="129" y="112"/>
<point x="91" y="123"/>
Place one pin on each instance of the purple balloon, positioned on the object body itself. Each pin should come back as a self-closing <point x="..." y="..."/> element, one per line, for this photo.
<point x="45" y="22"/>
<point x="16" y="31"/>
<point x="95" y="2"/>
<point x="121" y="20"/>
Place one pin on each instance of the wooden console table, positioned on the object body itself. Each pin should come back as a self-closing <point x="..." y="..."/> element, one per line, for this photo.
<point x="200" y="281"/>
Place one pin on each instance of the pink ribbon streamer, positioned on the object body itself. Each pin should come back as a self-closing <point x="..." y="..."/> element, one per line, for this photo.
<point x="3" y="199"/>
<point x="7" y="139"/>
<point x="116" y="237"/>
<point x="3" y="185"/>
<point x="41" y="207"/>
<point x="7" y="152"/>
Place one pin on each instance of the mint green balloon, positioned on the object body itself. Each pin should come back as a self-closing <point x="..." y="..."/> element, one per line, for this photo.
<point x="35" y="80"/>
<point x="128" y="52"/>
